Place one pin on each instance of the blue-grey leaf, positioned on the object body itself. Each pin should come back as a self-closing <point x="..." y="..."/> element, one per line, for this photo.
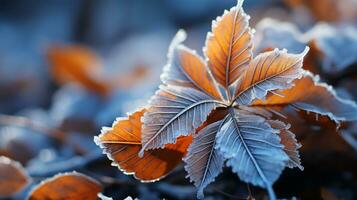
<point x="172" y="112"/>
<point x="203" y="162"/>
<point x="271" y="33"/>
<point x="252" y="148"/>
<point x="337" y="44"/>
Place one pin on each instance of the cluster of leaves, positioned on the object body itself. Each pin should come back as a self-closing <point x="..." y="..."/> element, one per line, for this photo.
<point x="49" y="126"/>
<point x="222" y="111"/>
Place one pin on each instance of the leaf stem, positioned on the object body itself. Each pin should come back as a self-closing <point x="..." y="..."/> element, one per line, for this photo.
<point x="271" y="192"/>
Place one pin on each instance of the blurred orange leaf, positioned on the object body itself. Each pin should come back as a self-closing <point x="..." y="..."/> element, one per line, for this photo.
<point x="69" y="186"/>
<point x="77" y="64"/>
<point x="328" y="10"/>
<point x="12" y="177"/>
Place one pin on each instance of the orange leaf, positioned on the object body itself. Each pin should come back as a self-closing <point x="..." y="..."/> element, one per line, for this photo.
<point x="76" y="64"/>
<point x="229" y="46"/>
<point x="186" y="68"/>
<point x="13" y="177"/>
<point x="69" y="186"/>
<point x="122" y="144"/>
<point x="311" y="95"/>
<point x="328" y="10"/>
<point x="269" y="71"/>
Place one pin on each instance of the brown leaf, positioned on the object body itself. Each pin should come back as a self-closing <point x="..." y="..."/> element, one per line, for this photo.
<point x="77" y="64"/>
<point x="291" y="146"/>
<point x="13" y="177"/>
<point x="328" y="10"/>
<point x="122" y="144"/>
<point x="311" y="95"/>
<point x="229" y="46"/>
<point x="315" y="133"/>
<point x="69" y="186"/>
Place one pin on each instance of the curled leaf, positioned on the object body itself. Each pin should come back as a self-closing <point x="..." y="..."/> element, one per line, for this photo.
<point x="122" y="144"/>
<point x="69" y="186"/>
<point x="13" y="177"/>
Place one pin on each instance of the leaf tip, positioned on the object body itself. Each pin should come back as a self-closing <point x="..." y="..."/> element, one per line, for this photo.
<point x="306" y="50"/>
<point x="178" y="38"/>
<point x="240" y="3"/>
<point x="141" y="152"/>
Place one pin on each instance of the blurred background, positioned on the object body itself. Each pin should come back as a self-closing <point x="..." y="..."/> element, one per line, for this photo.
<point x="69" y="67"/>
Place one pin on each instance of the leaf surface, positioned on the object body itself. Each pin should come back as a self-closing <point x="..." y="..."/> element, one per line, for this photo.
<point x="269" y="71"/>
<point x="229" y="46"/>
<point x="290" y="143"/>
<point x="122" y="144"/>
<point x="77" y="64"/>
<point x="186" y="68"/>
<point x="13" y="177"/>
<point x="69" y="186"/>
<point x="174" y="111"/>
<point x="311" y="95"/>
<point x="252" y="148"/>
<point x="203" y="162"/>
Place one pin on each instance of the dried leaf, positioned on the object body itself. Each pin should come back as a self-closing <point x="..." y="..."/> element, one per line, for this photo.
<point x="229" y="46"/>
<point x="69" y="186"/>
<point x="174" y="111"/>
<point x="13" y="177"/>
<point x="272" y="34"/>
<point x="328" y="10"/>
<point x="268" y="72"/>
<point x="122" y="144"/>
<point x="335" y="47"/>
<point x="290" y="143"/>
<point x="76" y="64"/>
<point x="252" y="149"/>
<point x="186" y="68"/>
<point x="225" y="123"/>
<point x="315" y="133"/>
<point x="203" y="162"/>
<point x="311" y="95"/>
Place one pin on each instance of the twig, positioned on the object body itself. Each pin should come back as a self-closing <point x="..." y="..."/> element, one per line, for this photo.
<point x="30" y="124"/>
<point x="27" y="123"/>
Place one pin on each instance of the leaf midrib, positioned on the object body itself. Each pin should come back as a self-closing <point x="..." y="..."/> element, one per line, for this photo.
<point x="231" y="112"/>
<point x="177" y="116"/>
<point x="263" y="80"/>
